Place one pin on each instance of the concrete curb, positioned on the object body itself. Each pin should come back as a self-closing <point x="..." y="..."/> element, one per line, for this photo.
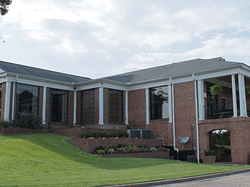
<point x="186" y="179"/>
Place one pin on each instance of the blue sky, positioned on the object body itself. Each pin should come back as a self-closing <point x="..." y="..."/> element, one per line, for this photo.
<point x="97" y="38"/>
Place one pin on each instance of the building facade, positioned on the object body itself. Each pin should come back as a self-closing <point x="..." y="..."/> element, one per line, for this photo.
<point x="172" y="100"/>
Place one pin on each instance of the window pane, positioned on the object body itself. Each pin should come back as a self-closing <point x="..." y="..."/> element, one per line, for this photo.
<point x="115" y="105"/>
<point x="58" y="105"/>
<point x="88" y="106"/>
<point x="159" y="103"/>
<point x="27" y="100"/>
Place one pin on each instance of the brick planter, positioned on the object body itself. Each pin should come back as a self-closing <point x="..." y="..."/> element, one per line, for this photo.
<point x="18" y="130"/>
<point x="162" y="155"/>
<point x="89" y="145"/>
<point x="208" y="159"/>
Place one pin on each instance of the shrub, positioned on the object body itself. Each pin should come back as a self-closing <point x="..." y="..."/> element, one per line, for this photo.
<point x="114" y="147"/>
<point x="100" y="152"/>
<point x="121" y="145"/>
<point x="146" y="149"/>
<point x="83" y="134"/>
<point x="209" y="152"/>
<point x="121" y="150"/>
<point x="5" y="123"/>
<point x="115" y="134"/>
<point x="31" y="121"/>
<point x="99" y="148"/>
<point x="104" y="134"/>
<point x="94" y="134"/>
<point x="122" y="134"/>
<point x="142" y="149"/>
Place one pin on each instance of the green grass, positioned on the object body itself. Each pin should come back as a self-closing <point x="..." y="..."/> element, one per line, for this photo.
<point x="48" y="160"/>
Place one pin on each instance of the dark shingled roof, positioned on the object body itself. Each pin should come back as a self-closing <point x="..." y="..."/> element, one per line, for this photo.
<point x="175" y="69"/>
<point x="41" y="73"/>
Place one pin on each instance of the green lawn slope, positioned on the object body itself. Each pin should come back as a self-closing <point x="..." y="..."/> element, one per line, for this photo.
<point x="48" y="160"/>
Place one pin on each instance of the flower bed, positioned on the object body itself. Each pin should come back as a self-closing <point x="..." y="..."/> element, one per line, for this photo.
<point x="89" y="145"/>
<point x="162" y="155"/>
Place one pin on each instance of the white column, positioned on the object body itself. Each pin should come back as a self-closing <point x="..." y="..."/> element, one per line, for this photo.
<point x="201" y="99"/>
<point x="169" y="103"/>
<point x="234" y="96"/>
<point x="75" y="107"/>
<point x="13" y="101"/>
<point x="147" y="106"/>
<point x="101" y="106"/>
<point x="242" y="95"/>
<point x="44" y="104"/>
<point x="126" y="105"/>
<point x="7" y="101"/>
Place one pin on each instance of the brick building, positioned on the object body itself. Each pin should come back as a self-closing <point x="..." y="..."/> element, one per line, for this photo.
<point x="171" y="100"/>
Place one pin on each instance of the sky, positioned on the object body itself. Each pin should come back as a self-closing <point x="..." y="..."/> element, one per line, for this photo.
<point x="98" y="38"/>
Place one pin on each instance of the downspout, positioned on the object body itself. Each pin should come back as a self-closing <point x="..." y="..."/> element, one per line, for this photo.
<point x="174" y="122"/>
<point x="196" y="120"/>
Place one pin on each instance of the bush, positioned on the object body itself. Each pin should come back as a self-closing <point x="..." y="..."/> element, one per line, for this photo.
<point x="104" y="134"/>
<point x="83" y="134"/>
<point x="142" y="149"/>
<point x="5" y="123"/>
<point x="31" y="121"/>
<point x="122" y="134"/>
<point x="121" y="145"/>
<point x="115" y="134"/>
<point x="100" y="152"/>
<point x="114" y="147"/>
<point x="94" y="134"/>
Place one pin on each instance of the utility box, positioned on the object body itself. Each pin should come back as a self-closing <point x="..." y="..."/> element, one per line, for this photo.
<point x="146" y="134"/>
<point x="191" y="158"/>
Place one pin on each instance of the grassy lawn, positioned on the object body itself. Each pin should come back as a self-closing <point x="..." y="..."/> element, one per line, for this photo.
<point x="48" y="160"/>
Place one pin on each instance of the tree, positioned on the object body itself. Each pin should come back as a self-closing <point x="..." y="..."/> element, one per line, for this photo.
<point x="4" y="6"/>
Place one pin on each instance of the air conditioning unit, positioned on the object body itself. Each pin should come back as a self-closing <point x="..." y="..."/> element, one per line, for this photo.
<point x="146" y="134"/>
<point x="139" y="133"/>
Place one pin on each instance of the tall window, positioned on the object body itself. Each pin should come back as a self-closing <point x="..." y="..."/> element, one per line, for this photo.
<point x="159" y="103"/>
<point x="27" y="100"/>
<point x="58" y="105"/>
<point x="115" y="107"/>
<point x="88" y="106"/>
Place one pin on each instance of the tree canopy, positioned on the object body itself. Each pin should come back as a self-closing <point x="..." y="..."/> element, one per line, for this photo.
<point x="4" y="6"/>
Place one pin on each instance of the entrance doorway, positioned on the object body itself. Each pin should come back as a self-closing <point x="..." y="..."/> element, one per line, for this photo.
<point x="219" y="142"/>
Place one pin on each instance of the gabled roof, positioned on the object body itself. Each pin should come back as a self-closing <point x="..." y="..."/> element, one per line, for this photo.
<point x="176" y="69"/>
<point x="41" y="73"/>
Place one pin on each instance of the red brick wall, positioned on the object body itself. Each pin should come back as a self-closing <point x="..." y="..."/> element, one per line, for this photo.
<point x="96" y="106"/>
<point x="239" y="136"/>
<point x="11" y="100"/>
<point x="184" y="100"/>
<point x="3" y="99"/>
<point x="75" y="131"/>
<point x="137" y="108"/>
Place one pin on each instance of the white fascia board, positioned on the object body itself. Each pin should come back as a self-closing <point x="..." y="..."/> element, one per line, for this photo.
<point x="219" y="73"/>
<point x="40" y="82"/>
<point x="105" y="85"/>
<point x="157" y="83"/>
<point x="102" y="82"/>
<point x="91" y="82"/>
<point x="245" y="73"/>
<point x="36" y="82"/>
